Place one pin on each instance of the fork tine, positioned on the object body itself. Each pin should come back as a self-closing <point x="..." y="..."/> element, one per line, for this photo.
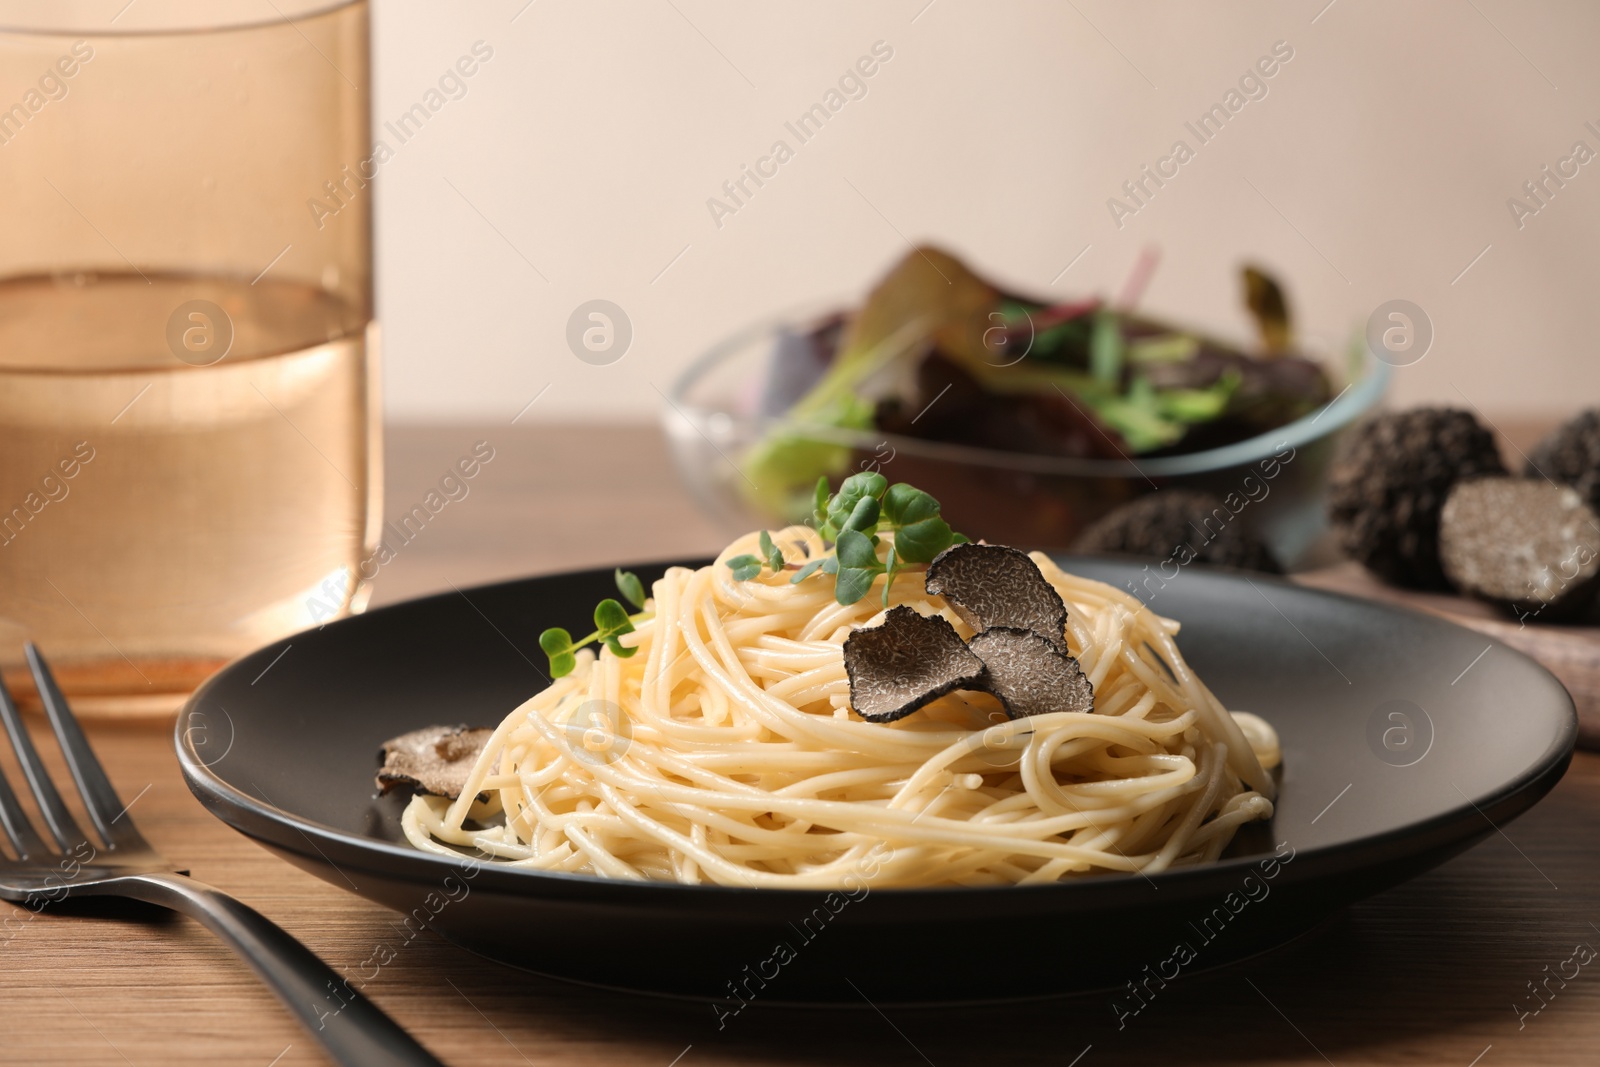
<point x="15" y="821"/>
<point x="99" y="797"/>
<point x="63" y="827"/>
<point x="25" y="840"/>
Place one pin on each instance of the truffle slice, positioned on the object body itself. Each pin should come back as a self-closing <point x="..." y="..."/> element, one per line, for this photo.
<point x="1028" y="675"/>
<point x="1386" y="490"/>
<point x="1179" y="524"/>
<point x="1526" y="545"/>
<point x="434" y="760"/>
<point x="908" y="661"/>
<point x="995" y="585"/>
<point x="1571" y="455"/>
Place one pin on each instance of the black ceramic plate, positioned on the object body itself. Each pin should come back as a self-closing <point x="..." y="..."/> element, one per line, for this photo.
<point x="1406" y="739"/>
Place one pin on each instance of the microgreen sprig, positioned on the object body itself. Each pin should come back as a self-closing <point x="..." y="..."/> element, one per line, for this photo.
<point x="611" y="621"/>
<point x="746" y="567"/>
<point x="865" y="506"/>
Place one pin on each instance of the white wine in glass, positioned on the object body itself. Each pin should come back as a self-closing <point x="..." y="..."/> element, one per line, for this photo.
<point x="189" y="430"/>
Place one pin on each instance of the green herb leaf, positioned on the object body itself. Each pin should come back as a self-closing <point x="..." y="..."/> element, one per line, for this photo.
<point x="631" y="588"/>
<point x="852" y="584"/>
<point x="555" y="641"/>
<point x="1137" y="416"/>
<point x="619" y="649"/>
<point x="611" y="621"/>
<point x="920" y="534"/>
<point x="808" y="570"/>
<point x="921" y="541"/>
<point x="906" y="504"/>
<point x="819" y="503"/>
<point x="1198" y="405"/>
<point x="1106" y="348"/>
<point x="863" y="518"/>
<point x="865" y="505"/>
<point x="889" y="567"/>
<point x="1168" y="348"/>
<point x="1067" y="343"/>
<point x="854" y="549"/>
<point x="557" y="644"/>
<point x="858" y="566"/>
<point x="771" y="551"/>
<point x="856" y="488"/>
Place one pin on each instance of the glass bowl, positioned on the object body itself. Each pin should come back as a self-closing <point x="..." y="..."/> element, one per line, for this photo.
<point x="722" y="406"/>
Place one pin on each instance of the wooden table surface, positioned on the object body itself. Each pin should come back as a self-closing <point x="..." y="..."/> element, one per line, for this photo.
<point x="1428" y="973"/>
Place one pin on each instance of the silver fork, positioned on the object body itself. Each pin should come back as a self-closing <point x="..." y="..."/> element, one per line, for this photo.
<point x="118" y="862"/>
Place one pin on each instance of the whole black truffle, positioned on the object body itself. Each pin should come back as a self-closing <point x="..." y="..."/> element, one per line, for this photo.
<point x="1386" y="490"/>
<point x="1179" y="524"/>
<point x="1571" y="456"/>
<point x="1521" y="543"/>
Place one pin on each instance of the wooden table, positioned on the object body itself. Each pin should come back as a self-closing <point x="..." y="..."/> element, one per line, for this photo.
<point x="1427" y="973"/>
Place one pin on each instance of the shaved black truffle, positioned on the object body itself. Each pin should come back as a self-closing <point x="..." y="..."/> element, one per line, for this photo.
<point x="994" y="585"/>
<point x="1571" y="456"/>
<point x="434" y="760"/>
<point x="1386" y="490"/>
<point x="1180" y="524"/>
<point x="1526" y="545"/>
<point x="1028" y="675"/>
<point x="907" y="661"/>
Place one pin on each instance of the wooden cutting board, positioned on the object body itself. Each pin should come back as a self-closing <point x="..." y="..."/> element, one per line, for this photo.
<point x="1571" y="653"/>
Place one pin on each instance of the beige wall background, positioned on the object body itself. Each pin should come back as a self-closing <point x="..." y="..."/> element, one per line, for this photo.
<point x="578" y="163"/>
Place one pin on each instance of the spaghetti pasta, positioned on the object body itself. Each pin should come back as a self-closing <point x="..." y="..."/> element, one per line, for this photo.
<point x="725" y="751"/>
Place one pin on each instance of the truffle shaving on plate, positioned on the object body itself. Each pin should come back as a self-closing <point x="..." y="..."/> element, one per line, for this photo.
<point x="871" y="683"/>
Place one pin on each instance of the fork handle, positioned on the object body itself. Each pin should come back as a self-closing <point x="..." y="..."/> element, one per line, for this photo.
<point x="352" y="1029"/>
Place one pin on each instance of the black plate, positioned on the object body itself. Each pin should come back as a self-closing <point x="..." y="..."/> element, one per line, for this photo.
<point x="281" y="745"/>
